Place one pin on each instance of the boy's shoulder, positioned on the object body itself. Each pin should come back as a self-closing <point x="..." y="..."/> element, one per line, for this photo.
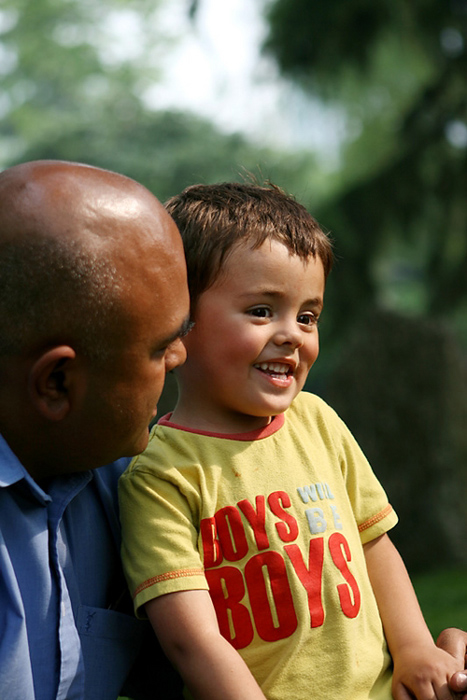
<point x="310" y="409"/>
<point x="310" y="403"/>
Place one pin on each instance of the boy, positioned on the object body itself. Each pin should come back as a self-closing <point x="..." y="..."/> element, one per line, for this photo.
<point x="254" y="529"/>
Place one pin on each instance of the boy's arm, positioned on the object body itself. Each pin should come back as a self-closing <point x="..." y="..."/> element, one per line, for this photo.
<point x="420" y="668"/>
<point x="186" y="625"/>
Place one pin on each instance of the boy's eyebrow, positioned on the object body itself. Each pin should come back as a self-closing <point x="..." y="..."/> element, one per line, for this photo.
<point x="314" y="301"/>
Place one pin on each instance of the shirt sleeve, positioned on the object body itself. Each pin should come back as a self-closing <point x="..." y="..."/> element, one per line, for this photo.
<point x="159" y="535"/>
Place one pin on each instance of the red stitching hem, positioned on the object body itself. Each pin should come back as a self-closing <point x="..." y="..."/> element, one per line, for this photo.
<point x="167" y="577"/>
<point x="376" y="518"/>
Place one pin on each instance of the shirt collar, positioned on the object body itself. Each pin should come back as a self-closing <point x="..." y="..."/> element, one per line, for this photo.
<point x="12" y="472"/>
<point x="11" y="469"/>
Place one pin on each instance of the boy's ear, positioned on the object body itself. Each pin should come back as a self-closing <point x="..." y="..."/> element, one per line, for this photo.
<point x="50" y="382"/>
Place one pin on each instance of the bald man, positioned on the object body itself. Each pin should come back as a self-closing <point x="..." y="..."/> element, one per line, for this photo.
<point x="93" y="303"/>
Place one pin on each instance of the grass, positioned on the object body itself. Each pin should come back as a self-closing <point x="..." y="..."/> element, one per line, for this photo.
<point x="443" y="598"/>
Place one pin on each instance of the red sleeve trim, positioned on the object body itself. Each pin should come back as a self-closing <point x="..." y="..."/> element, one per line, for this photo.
<point x="376" y="518"/>
<point x="167" y="577"/>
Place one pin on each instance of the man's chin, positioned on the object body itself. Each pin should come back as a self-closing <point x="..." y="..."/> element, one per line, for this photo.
<point x="141" y="444"/>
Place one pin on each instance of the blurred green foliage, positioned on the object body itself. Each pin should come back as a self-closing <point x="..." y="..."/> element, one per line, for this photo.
<point x="399" y="212"/>
<point x="72" y="90"/>
<point x="442" y="598"/>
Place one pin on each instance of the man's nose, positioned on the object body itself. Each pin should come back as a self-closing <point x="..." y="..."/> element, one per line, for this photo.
<point x="175" y="355"/>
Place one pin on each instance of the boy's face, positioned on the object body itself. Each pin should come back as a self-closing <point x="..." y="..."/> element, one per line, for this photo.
<point x="254" y="341"/>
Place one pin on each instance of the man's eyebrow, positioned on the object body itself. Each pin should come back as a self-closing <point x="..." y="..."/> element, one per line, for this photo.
<point x="182" y="331"/>
<point x="185" y="328"/>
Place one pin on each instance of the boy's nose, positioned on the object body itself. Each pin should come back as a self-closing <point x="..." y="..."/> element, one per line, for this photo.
<point x="288" y="333"/>
<point x="175" y="355"/>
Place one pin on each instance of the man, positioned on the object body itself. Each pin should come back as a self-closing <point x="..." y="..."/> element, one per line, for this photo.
<point x="455" y="642"/>
<point x="93" y="302"/>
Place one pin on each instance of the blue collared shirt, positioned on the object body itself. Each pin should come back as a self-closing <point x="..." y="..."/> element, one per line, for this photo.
<point x="62" y="636"/>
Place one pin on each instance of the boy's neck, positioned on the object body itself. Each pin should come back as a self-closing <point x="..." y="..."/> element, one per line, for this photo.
<point x="228" y="424"/>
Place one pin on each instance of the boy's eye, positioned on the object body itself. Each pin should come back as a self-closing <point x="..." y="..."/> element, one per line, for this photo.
<point x="260" y="312"/>
<point x="308" y="319"/>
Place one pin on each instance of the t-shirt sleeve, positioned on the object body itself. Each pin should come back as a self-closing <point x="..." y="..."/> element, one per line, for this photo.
<point x="159" y="537"/>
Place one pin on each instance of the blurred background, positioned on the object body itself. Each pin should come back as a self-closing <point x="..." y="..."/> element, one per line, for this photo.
<point x="358" y="109"/>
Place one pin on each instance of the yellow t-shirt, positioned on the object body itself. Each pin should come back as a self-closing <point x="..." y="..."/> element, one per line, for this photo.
<point x="272" y="523"/>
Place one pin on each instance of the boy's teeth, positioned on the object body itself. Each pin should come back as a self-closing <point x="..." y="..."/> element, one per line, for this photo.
<point x="273" y="367"/>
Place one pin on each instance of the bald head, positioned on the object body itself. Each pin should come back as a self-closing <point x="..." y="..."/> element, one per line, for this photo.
<point x="67" y="199"/>
<point x="67" y="234"/>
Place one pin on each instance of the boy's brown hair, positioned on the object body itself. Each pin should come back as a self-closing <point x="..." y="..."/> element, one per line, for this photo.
<point x="213" y="219"/>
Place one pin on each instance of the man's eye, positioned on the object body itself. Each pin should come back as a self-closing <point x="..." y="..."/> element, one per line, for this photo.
<point x="160" y="352"/>
<point x="308" y="319"/>
<point x="260" y="312"/>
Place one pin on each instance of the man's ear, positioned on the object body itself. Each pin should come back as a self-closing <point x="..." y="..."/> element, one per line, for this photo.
<point x="50" y="379"/>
